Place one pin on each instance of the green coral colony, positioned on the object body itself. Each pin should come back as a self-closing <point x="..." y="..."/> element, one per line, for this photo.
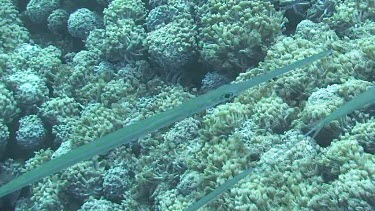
<point x="187" y="105"/>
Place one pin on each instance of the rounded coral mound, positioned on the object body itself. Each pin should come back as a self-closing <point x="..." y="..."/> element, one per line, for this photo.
<point x="8" y="105"/>
<point x="39" y="10"/>
<point x="30" y="90"/>
<point x="58" y="21"/>
<point x="31" y="133"/>
<point x="82" y="21"/>
<point x="234" y="35"/>
<point x="10" y="27"/>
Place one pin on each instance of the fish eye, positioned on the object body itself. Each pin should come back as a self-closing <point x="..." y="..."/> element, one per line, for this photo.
<point x="228" y="95"/>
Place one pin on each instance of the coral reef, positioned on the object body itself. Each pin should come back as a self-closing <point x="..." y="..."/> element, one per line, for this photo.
<point x="13" y="33"/>
<point x="235" y="35"/>
<point x="9" y="109"/>
<point x="4" y="137"/>
<point x="73" y="71"/>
